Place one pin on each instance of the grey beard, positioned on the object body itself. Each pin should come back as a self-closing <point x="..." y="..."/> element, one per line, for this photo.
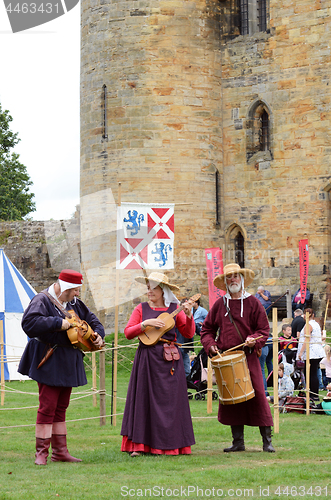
<point x="235" y="288"/>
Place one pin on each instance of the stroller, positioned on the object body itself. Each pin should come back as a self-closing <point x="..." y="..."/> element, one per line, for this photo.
<point x="197" y="379"/>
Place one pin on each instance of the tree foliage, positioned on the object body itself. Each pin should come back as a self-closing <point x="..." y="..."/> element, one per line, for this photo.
<point x="16" y="201"/>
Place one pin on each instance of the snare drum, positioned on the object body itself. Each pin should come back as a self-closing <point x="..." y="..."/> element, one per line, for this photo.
<point x="233" y="378"/>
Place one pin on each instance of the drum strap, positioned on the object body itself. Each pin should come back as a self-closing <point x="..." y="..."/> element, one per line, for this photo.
<point x="232" y="320"/>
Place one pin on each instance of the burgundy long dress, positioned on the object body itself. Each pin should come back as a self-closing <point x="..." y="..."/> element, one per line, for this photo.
<point x="157" y="415"/>
<point x="253" y="323"/>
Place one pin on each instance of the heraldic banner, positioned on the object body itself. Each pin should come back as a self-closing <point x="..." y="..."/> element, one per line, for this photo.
<point x="304" y="267"/>
<point x="145" y="236"/>
<point x="214" y="264"/>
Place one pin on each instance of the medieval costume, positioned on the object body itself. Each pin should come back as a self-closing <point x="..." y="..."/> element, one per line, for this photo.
<point x="252" y="322"/>
<point x="157" y="415"/>
<point x="42" y="322"/>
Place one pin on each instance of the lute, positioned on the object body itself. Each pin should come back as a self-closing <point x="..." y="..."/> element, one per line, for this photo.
<point x="151" y="335"/>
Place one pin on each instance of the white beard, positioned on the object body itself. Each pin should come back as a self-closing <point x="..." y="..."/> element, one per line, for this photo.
<point x="235" y="287"/>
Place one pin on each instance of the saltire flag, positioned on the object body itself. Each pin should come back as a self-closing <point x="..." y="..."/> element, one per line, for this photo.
<point x="304" y="267"/>
<point x="145" y="236"/>
<point x="214" y="264"/>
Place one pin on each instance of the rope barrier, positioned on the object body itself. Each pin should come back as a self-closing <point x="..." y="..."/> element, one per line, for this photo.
<point x="79" y="395"/>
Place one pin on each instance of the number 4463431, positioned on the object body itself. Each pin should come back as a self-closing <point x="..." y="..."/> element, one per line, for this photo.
<point x="33" y="8"/>
<point x="301" y="491"/>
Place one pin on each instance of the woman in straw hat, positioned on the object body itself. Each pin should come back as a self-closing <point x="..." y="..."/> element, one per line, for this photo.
<point x="240" y="308"/>
<point x="157" y="416"/>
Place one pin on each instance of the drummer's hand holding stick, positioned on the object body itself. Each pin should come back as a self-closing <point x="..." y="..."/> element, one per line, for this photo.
<point x="250" y="342"/>
<point x="213" y="351"/>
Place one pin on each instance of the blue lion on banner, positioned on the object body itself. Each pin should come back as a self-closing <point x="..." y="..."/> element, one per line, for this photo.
<point x="162" y="251"/>
<point x="135" y="221"/>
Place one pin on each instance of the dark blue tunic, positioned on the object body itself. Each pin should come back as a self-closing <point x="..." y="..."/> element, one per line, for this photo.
<point x="42" y="322"/>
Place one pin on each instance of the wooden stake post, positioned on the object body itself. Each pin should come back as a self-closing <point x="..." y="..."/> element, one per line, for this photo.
<point x="2" y="358"/>
<point x="114" y="395"/>
<point x="102" y="389"/>
<point x="307" y="340"/>
<point x="94" y="379"/>
<point x="209" y="387"/>
<point x="275" y="368"/>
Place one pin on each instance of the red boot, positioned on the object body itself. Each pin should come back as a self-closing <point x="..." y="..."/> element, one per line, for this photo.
<point x="60" y="451"/>
<point x="42" y="446"/>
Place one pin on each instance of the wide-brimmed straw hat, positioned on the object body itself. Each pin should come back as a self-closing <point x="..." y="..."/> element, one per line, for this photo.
<point x="248" y="275"/>
<point x="157" y="278"/>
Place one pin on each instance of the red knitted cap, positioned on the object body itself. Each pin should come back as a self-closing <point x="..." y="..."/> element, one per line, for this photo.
<point x="70" y="276"/>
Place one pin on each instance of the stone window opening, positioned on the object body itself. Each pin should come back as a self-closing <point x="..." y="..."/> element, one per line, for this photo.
<point x="264" y="131"/>
<point x="239" y="246"/>
<point x="253" y="16"/>
<point x="258" y="133"/>
<point x="262" y="15"/>
<point x="235" y="245"/>
<point x="243" y="17"/>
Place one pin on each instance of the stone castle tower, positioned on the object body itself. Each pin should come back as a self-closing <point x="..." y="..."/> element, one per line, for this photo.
<point x="221" y="107"/>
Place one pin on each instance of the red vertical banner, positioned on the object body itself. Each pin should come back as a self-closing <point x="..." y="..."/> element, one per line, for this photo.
<point x="304" y="267"/>
<point x="214" y="264"/>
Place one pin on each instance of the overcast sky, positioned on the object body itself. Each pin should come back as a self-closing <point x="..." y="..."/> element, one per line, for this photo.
<point x="39" y="86"/>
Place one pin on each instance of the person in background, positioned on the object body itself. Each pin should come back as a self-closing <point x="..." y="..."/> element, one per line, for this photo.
<point x="325" y="405"/>
<point x="46" y="325"/>
<point x="285" y="383"/>
<point x="186" y="346"/>
<point x="296" y="300"/>
<point x="326" y="362"/>
<point x="298" y="323"/>
<point x="219" y="333"/>
<point x="316" y="351"/>
<point x="264" y="297"/>
<point x="199" y="315"/>
<point x="287" y="340"/>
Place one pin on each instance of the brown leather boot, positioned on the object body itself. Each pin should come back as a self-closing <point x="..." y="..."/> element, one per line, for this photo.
<point x="42" y="446"/>
<point x="60" y="451"/>
<point x="238" y="439"/>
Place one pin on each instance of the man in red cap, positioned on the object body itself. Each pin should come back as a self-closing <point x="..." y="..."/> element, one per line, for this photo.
<point x="44" y="321"/>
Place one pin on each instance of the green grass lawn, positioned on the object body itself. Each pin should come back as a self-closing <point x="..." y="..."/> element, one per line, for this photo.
<point x="301" y="467"/>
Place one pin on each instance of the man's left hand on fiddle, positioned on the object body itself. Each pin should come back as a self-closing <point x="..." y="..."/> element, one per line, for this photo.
<point x="98" y="342"/>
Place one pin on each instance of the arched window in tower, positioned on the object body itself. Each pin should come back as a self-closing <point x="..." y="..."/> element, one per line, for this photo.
<point x="239" y="245"/>
<point x="264" y="131"/>
<point x="235" y="245"/>
<point x="258" y="132"/>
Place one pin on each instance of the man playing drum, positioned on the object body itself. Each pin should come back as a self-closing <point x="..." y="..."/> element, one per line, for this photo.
<point x="240" y="319"/>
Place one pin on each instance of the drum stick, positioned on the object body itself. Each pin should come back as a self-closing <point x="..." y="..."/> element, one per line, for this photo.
<point x="240" y="345"/>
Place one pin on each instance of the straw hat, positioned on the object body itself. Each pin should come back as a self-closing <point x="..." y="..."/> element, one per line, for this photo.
<point x="248" y="275"/>
<point x="157" y="278"/>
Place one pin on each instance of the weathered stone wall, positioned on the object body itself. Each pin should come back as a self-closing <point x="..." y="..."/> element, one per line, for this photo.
<point x="41" y="249"/>
<point x="160" y="63"/>
<point x="181" y="84"/>
<point x="283" y="198"/>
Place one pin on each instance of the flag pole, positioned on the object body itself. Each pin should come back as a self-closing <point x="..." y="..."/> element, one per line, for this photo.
<point x="114" y="395"/>
<point x="307" y="340"/>
<point x="2" y="365"/>
<point x="275" y="368"/>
